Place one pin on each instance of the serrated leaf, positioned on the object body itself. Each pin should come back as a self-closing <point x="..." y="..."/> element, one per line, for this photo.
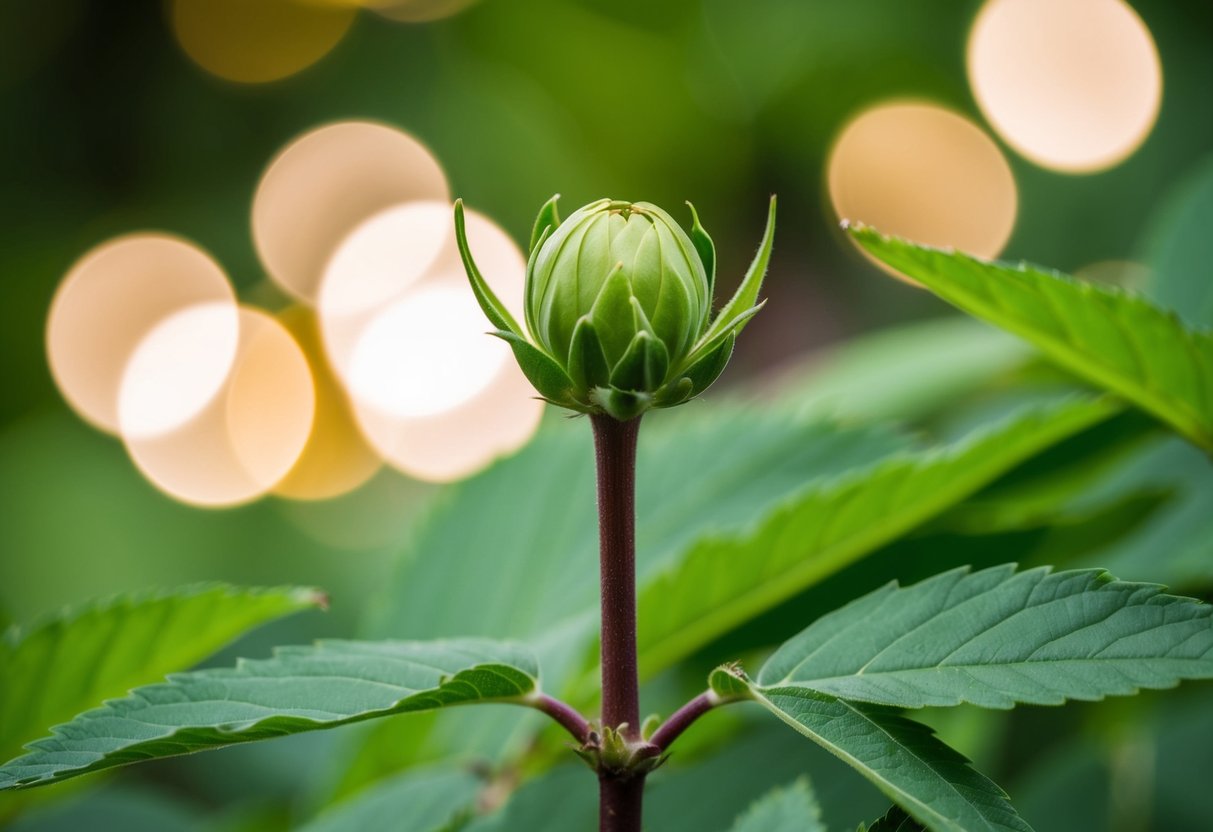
<point x="790" y="809"/>
<point x="903" y="759"/>
<point x="998" y="637"/>
<point x="1116" y="340"/>
<point x="81" y="656"/>
<point x="431" y="800"/>
<point x="299" y="689"/>
<point x="724" y="581"/>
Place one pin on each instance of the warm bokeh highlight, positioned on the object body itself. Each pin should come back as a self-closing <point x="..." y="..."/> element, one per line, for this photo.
<point x="1073" y="85"/>
<point x="926" y="173"/>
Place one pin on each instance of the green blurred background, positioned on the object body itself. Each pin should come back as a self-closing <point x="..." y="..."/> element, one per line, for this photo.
<point x="109" y="127"/>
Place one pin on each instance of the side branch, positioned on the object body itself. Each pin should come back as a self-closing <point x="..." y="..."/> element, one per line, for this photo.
<point x="681" y="720"/>
<point x="565" y="715"/>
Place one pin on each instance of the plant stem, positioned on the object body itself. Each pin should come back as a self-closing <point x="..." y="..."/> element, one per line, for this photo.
<point x="565" y="715"/>
<point x="615" y="446"/>
<point x="620" y="803"/>
<point x="620" y="797"/>
<point x="673" y="727"/>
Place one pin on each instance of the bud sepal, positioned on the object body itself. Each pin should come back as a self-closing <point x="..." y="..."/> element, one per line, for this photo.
<point x="618" y="307"/>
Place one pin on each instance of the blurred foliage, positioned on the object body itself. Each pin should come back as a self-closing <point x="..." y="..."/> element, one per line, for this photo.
<point x="110" y="128"/>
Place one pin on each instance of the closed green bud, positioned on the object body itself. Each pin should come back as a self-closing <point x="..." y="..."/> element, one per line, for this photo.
<point x="619" y="307"/>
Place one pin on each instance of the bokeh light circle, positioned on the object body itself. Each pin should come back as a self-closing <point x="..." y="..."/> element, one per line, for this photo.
<point x="926" y="173"/>
<point x="383" y="257"/>
<point x="434" y="395"/>
<point x="1074" y="85"/>
<point x="255" y="41"/>
<point x="249" y="436"/>
<point x="336" y="459"/>
<point x="108" y="303"/>
<point x="420" y="356"/>
<point x="325" y="184"/>
<point x="455" y="444"/>
<point x="398" y="250"/>
<point x="178" y="369"/>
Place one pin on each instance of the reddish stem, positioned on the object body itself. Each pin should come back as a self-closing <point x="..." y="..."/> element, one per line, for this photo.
<point x="673" y="727"/>
<point x="620" y="804"/>
<point x="615" y="446"/>
<point x="620" y="796"/>
<point x="564" y="714"/>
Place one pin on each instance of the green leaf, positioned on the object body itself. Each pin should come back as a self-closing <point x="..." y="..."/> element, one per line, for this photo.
<point x="1147" y="760"/>
<point x="725" y="580"/>
<point x="903" y="759"/>
<point x="1181" y="249"/>
<point x="1042" y="492"/>
<point x="560" y="800"/>
<point x="299" y="689"/>
<point x="884" y="375"/>
<point x="735" y="311"/>
<point x="83" y="655"/>
<point x="1113" y="339"/>
<point x="705" y="248"/>
<point x="492" y="307"/>
<point x="118" y="806"/>
<point x="546" y="222"/>
<point x="999" y="637"/>
<point x="791" y="809"/>
<point x="1176" y="544"/>
<point x="894" y="820"/>
<point x="431" y="800"/>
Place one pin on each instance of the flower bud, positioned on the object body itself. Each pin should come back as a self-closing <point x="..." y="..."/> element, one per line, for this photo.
<point x="618" y="307"/>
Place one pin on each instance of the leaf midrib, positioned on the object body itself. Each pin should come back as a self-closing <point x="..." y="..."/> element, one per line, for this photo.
<point x="814" y="683"/>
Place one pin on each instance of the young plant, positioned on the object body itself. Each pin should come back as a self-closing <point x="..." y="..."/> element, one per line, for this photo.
<point x="618" y="322"/>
